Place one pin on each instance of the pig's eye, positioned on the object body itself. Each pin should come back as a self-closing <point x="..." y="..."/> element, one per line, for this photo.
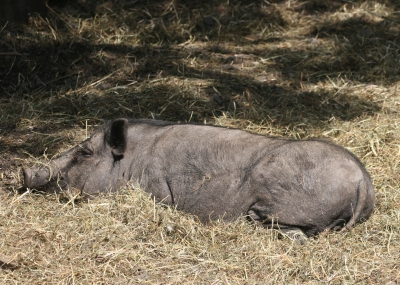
<point x="85" y="152"/>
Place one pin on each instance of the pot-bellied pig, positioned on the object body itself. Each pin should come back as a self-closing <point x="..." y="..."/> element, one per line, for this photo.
<point x="214" y="172"/>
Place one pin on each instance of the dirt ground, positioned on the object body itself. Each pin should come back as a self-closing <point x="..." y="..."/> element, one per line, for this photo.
<point x="298" y="69"/>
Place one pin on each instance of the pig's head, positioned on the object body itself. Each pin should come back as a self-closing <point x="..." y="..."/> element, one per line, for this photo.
<point x="93" y="166"/>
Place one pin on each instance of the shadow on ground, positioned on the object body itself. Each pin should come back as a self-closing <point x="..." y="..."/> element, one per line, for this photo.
<point x="187" y="61"/>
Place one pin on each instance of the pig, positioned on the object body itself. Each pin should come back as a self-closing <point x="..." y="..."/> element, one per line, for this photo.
<point x="304" y="186"/>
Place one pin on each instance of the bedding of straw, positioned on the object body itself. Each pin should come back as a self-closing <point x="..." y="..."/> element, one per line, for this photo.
<point x="298" y="69"/>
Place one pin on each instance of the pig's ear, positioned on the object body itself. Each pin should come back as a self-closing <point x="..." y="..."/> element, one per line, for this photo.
<point x="117" y="136"/>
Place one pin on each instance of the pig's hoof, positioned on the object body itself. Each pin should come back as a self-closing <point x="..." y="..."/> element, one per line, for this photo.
<point x="296" y="235"/>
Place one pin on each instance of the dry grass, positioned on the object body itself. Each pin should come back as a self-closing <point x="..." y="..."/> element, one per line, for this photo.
<point x="127" y="239"/>
<point x="297" y="69"/>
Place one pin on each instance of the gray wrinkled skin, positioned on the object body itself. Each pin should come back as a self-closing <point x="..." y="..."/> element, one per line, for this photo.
<point x="214" y="172"/>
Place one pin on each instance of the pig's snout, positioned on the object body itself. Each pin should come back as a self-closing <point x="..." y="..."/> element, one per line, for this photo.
<point x="27" y="176"/>
<point x="35" y="177"/>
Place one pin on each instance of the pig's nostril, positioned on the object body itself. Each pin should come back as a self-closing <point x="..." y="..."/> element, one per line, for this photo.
<point x="55" y="179"/>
